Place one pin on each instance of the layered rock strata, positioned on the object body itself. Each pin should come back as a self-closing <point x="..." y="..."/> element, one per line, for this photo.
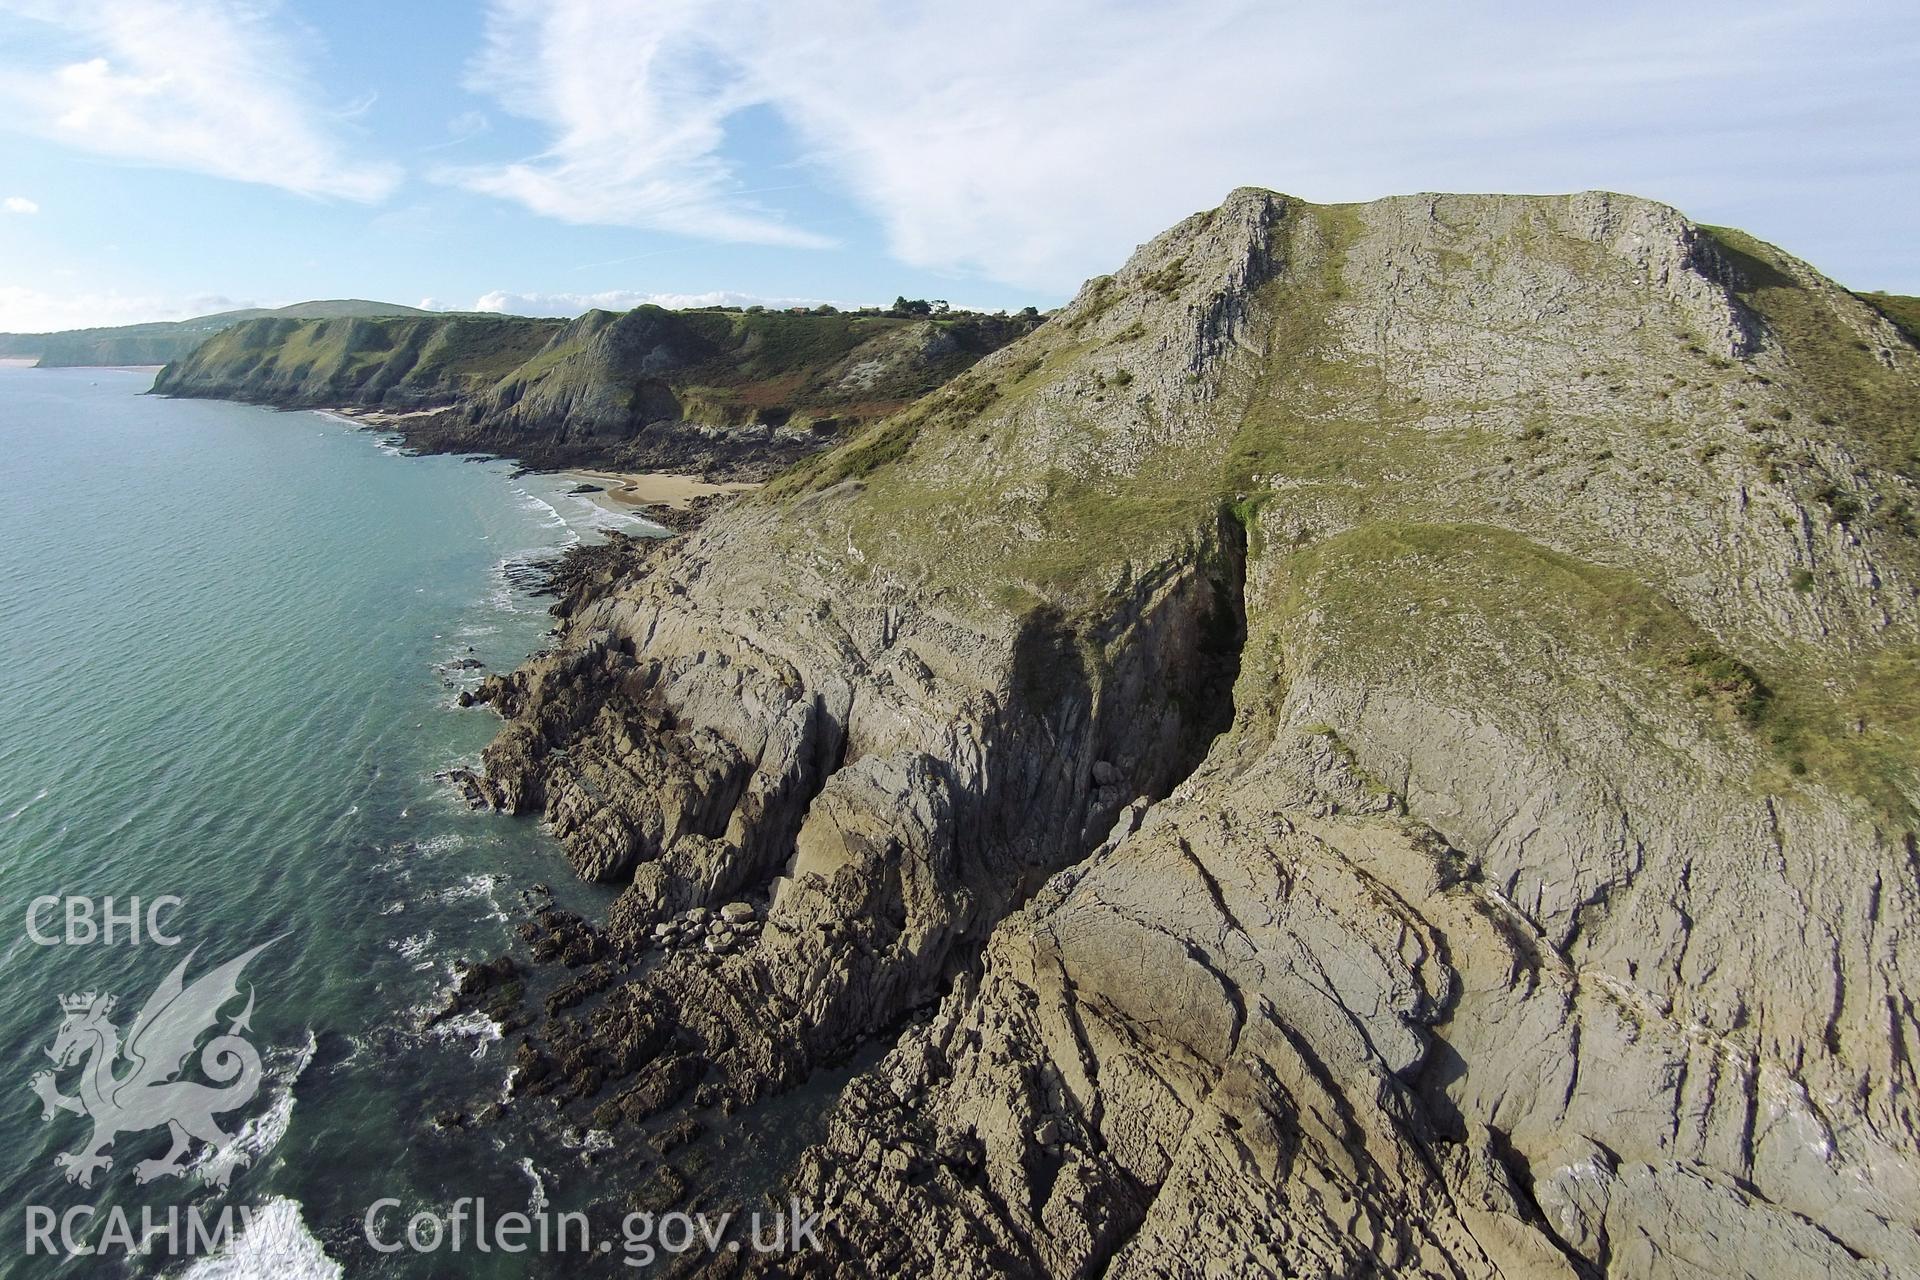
<point x="1381" y="740"/>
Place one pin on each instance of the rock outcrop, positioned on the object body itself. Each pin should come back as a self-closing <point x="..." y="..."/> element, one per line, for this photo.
<point x="717" y="392"/>
<point x="1381" y="740"/>
<point x="163" y="341"/>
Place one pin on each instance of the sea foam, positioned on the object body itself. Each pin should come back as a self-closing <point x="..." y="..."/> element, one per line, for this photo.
<point x="275" y="1245"/>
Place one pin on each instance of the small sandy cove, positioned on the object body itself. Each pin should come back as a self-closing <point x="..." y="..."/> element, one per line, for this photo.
<point x="381" y="417"/>
<point x="622" y="489"/>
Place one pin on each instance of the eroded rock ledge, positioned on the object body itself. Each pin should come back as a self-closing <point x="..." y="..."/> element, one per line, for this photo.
<point x="1371" y="744"/>
<point x="718" y="392"/>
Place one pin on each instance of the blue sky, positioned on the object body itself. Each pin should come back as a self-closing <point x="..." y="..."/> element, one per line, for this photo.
<point x="161" y="158"/>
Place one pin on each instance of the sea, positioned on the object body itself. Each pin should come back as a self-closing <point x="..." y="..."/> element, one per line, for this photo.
<point x="231" y="644"/>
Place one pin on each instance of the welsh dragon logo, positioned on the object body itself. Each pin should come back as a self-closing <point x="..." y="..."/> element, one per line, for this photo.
<point x="130" y="1087"/>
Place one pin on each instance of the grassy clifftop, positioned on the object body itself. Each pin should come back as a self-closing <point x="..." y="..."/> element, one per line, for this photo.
<point x="717" y="389"/>
<point x="402" y="363"/>
<point x="1721" y="438"/>
<point x="164" y="341"/>
<point x="1362" y="690"/>
<point x="1904" y="312"/>
<point x="729" y="368"/>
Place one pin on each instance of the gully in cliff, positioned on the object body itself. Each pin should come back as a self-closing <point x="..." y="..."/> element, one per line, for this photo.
<point x="1333" y="734"/>
<point x="1191" y="828"/>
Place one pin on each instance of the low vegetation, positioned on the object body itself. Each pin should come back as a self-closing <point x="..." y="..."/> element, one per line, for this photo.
<point x="1457" y="534"/>
<point x="1839" y="365"/>
<point x="606" y="374"/>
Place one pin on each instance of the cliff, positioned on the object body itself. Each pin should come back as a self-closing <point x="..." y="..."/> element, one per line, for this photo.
<point x="722" y="392"/>
<point x="1380" y="740"/>
<point x="163" y="341"/>
<point x="400" y="364"/>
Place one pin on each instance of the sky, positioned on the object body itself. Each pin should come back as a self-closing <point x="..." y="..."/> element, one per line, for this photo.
<point x="165" y="158"/>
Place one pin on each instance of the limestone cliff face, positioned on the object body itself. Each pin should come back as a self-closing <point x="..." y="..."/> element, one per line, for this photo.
<point x="1380" y="740"/>
<point x="722" y="393"/>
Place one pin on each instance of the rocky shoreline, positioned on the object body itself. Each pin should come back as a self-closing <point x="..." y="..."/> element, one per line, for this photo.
<point x="729" y="396"/>
<point x="1286" y="796"/>
<point x="1372" y="743"/>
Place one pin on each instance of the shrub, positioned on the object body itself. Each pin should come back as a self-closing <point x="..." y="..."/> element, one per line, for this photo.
<point x="1725" y="678"/>
<point x="1843" y="506"/>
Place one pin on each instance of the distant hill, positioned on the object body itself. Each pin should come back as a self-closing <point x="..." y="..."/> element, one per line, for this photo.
<point x="164" y="341"/>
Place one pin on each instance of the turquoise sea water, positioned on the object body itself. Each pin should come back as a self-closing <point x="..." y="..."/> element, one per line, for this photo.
<point x="225" y="647"/>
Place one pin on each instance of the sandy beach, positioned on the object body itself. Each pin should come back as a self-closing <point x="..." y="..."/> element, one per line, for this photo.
<point x="382" y="418"/>
<point x="622" y="491"/>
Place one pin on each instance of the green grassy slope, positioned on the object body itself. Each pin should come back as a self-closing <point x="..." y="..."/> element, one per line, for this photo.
<point x="1903" y="311"/>
<point x="734" y="363"/>
<point x="405" y="362"/>
<point x="1582" y="457"/>
<point x="613" y="389"/>
<point x="728" y="368"/>
<point x="161" y="342"/>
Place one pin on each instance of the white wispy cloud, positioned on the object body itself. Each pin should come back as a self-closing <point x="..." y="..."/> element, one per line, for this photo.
<point x="637" y="106"/>
<point x="463" y="128"/>
<point x="1036" y="143"/>
<point x="19" y="204"/>
<point x="210" y="86"/>
<point x="573" y="304"/>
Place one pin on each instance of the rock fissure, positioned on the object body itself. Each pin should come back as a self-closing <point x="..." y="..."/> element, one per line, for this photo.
<point x="1049" y="725"/>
